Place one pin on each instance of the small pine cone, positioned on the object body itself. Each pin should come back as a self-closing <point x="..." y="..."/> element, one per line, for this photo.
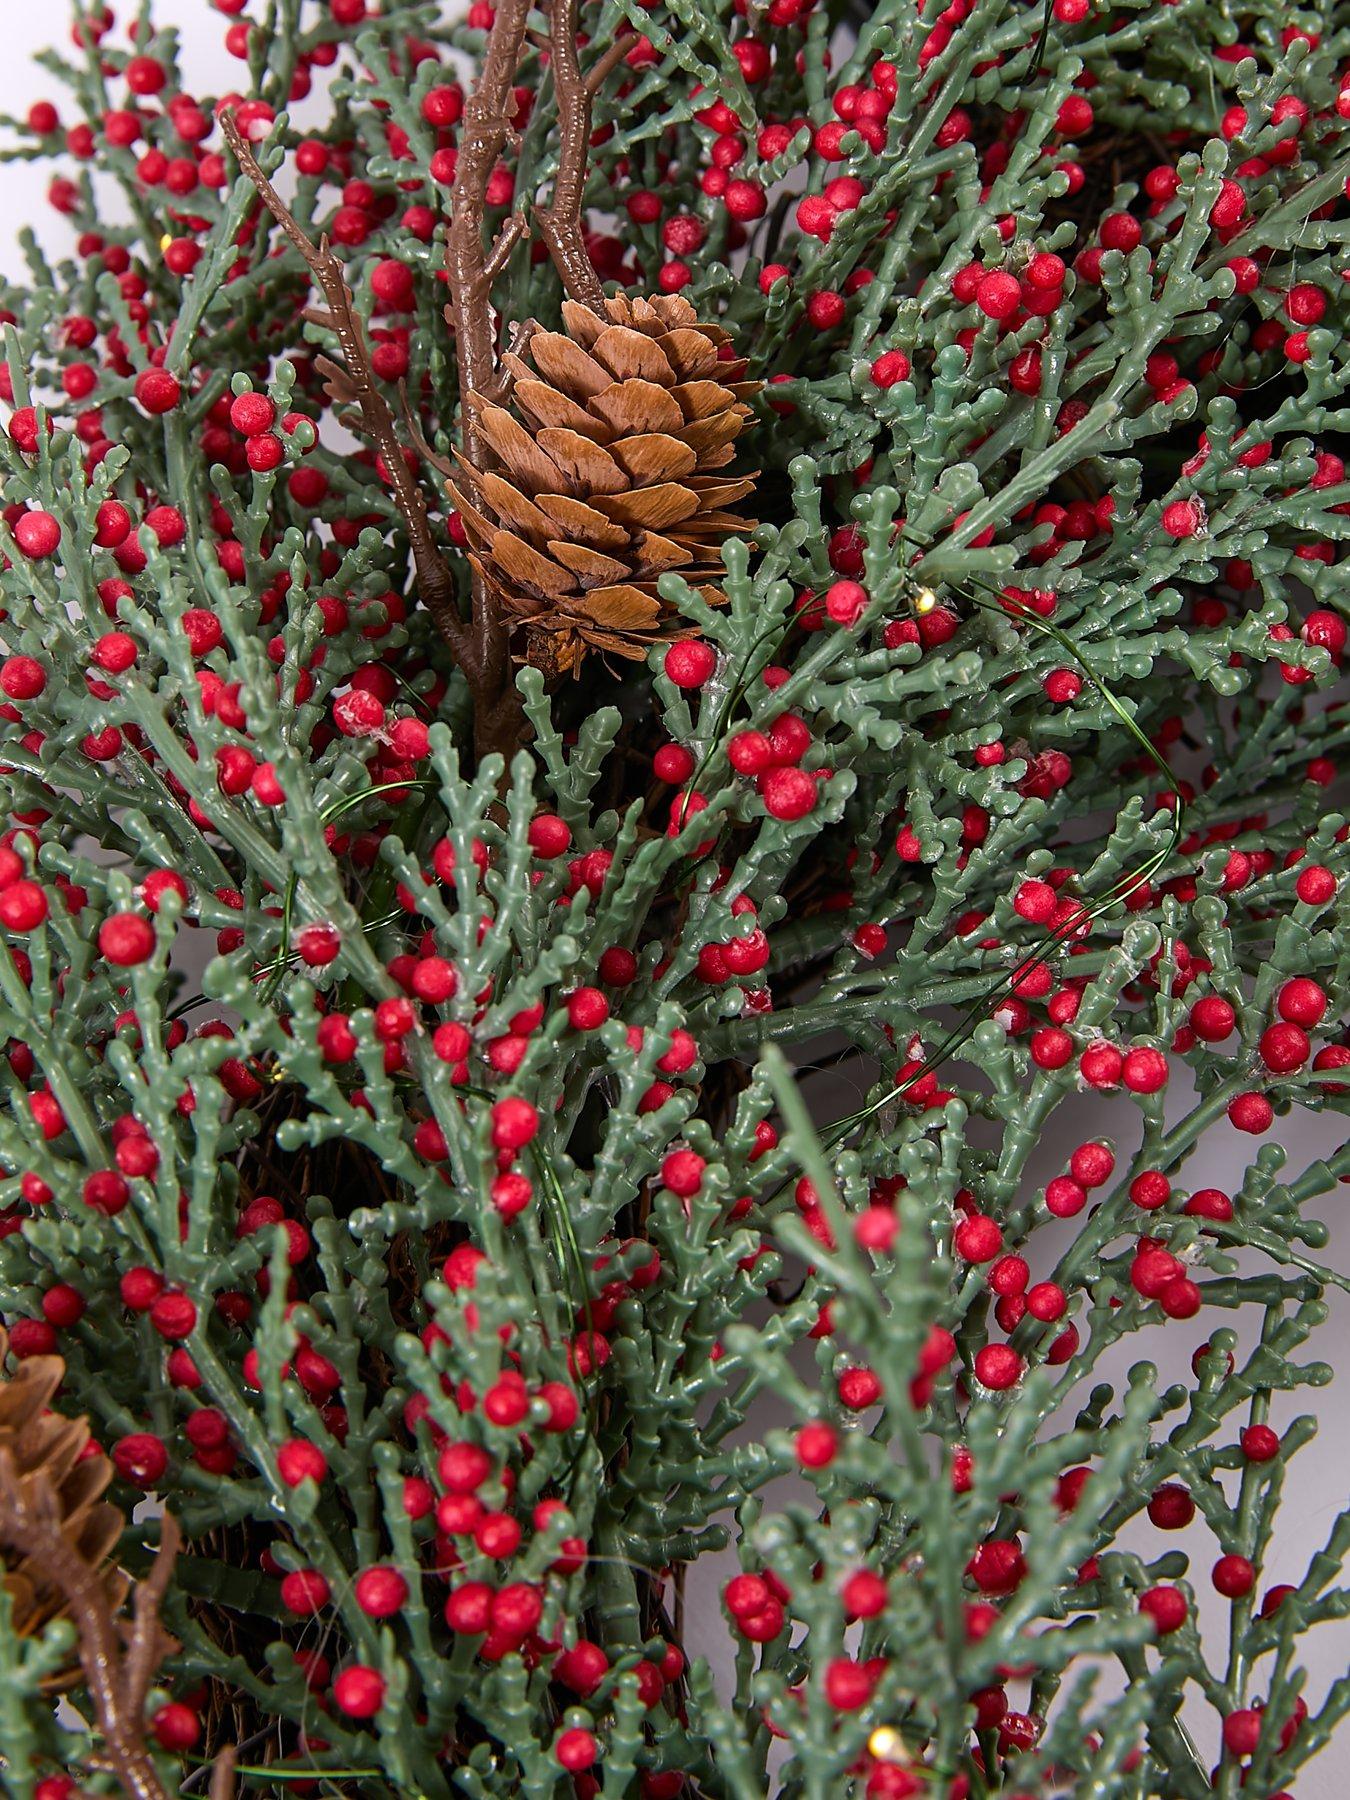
<point x="604" y="474"/>
<point x="48" y="1453"/>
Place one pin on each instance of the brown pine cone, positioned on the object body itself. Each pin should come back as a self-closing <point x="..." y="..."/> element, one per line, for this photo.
<point x="41" y="1449"/>
<point x="604" y="474"/>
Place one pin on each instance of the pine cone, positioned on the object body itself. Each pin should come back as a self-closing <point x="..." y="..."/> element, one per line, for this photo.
<point x="45" y="1450"/>
<point x="603" y="475"/>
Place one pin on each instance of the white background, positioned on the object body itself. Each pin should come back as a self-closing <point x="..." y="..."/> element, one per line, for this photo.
<point x="1316" y="1487"/>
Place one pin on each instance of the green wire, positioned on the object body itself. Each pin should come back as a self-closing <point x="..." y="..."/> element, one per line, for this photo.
<point x="277" y="967"/>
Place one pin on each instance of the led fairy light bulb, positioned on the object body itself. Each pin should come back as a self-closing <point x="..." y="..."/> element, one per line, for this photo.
<point x="887" y="1745"/>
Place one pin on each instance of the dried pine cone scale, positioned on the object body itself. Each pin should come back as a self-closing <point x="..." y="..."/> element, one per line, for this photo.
<point x="605" y="473"/>
<point x="48" y="1453"/>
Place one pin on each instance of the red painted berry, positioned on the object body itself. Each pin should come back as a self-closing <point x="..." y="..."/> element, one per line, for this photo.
<point x="22" y="677"/>
<point x="788" y="794"/>
<point x="817" y="1446"/>
<point x="1233" y="1576"/>
<point x="359" y="1691"/>
<point x="690" y="663"/>
<point x="126" y="939"/>
<point x="157" y="391"/>
<point x="1260" y="1444"/>
<point x="380" y="1592"/>
<point x="298" y="1460"/>
<point x="576" y="1749"/>
<point x="998" y="1366"/>
<point x="252" y="414"/>
<point x="1167" y="1608"/>
<point x="176" y="1726"/>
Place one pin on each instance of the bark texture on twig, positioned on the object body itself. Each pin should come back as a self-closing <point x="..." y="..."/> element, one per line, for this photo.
<point x="484" y="375"/>
<point x="484" y="134"/>
<point x="486" y="129"/>
<point x="119" y="1663"/>
<point x="222" y="1774"/>
<point x="356" y="386"/>
<point x="560" y="221"/>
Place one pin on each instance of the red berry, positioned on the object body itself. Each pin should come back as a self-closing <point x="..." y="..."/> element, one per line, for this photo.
<point x="1180" y="1298"/>
<point x="864" y="1595"/>
<point x="62" y="1305"/>
<point x="1171" y="1507"/>
<point x="1092" y="1164"/>
<point x="673" y="763"/>
<point x="1242" y="1731"/>
<point x="998" y="295"/>
<point x="22" y="677"/>
<point x="549" y="836"/>
<point x="1260" y="1444"/>
<point x="1233" y="1576"/>
<point x="1145" y="1071"/>
<point x="845" y="602"/>
<point x="507" y="1401"/>
<point x="157" y="391"/>
<point x="359" y="1691"/>
<point x="1183" y="518"/>
<point x="690" y="663"/>
<point x="978" y="1238"/>
<point x="1315" y="885"/>
<point x="380" y="1592"/>
<point x="587" y="1009"/>
<point x="1301" y="1002"/>
<point x="176" y="1726"/>
<point x="1212" y="1018"/>
<point x="1167" y="1608"/>
<point x="462" y="1467"/>
<point x="305" y="1591"/>
<point x="298" y="1460"/>
<point x="174" y="1315"/>
<point x="23" y="906"/>
<point x="817" y="1445"/>
<point x="682" y="1172"/>
<point x="1251" y="1112"/>
<point x="576" y="1749"/>
<point x="1284" y="1047"/>
<point x="515" y="1123"/>
<point x="140" y="1458"/>
<point x="1150" y="1190"/>
<point x="38" y="534"/>
<point x="788" y="794"/>
<point x="889" y="368"/>
<point x="848" y="1685"/>
<point x="252" y="414"/>
<point x="998" y="1366"/>
<point x="126" y="939"/>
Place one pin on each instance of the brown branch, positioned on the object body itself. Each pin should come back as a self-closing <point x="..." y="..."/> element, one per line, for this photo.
<point x="560" y="221"/>
<point x="507" y="238"/>
<point x="601" y="67"/>
<point x="485" y="132"/>
<point x="119" y="1667"/>
<point x="357" y="385"/>
<point x="441" y="464"/>
<point x="222" y="1774"/>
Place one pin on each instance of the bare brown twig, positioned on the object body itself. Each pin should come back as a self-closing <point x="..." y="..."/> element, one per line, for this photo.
<point x="473" y="267"/>
<point x="120" y="1664"/>
<point x="560" y="221"/>
<point x="486" y="130"/>
<point x="483" y="136"/>
<point x="356" y="385"/>
<point x="222" y="1774"/>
